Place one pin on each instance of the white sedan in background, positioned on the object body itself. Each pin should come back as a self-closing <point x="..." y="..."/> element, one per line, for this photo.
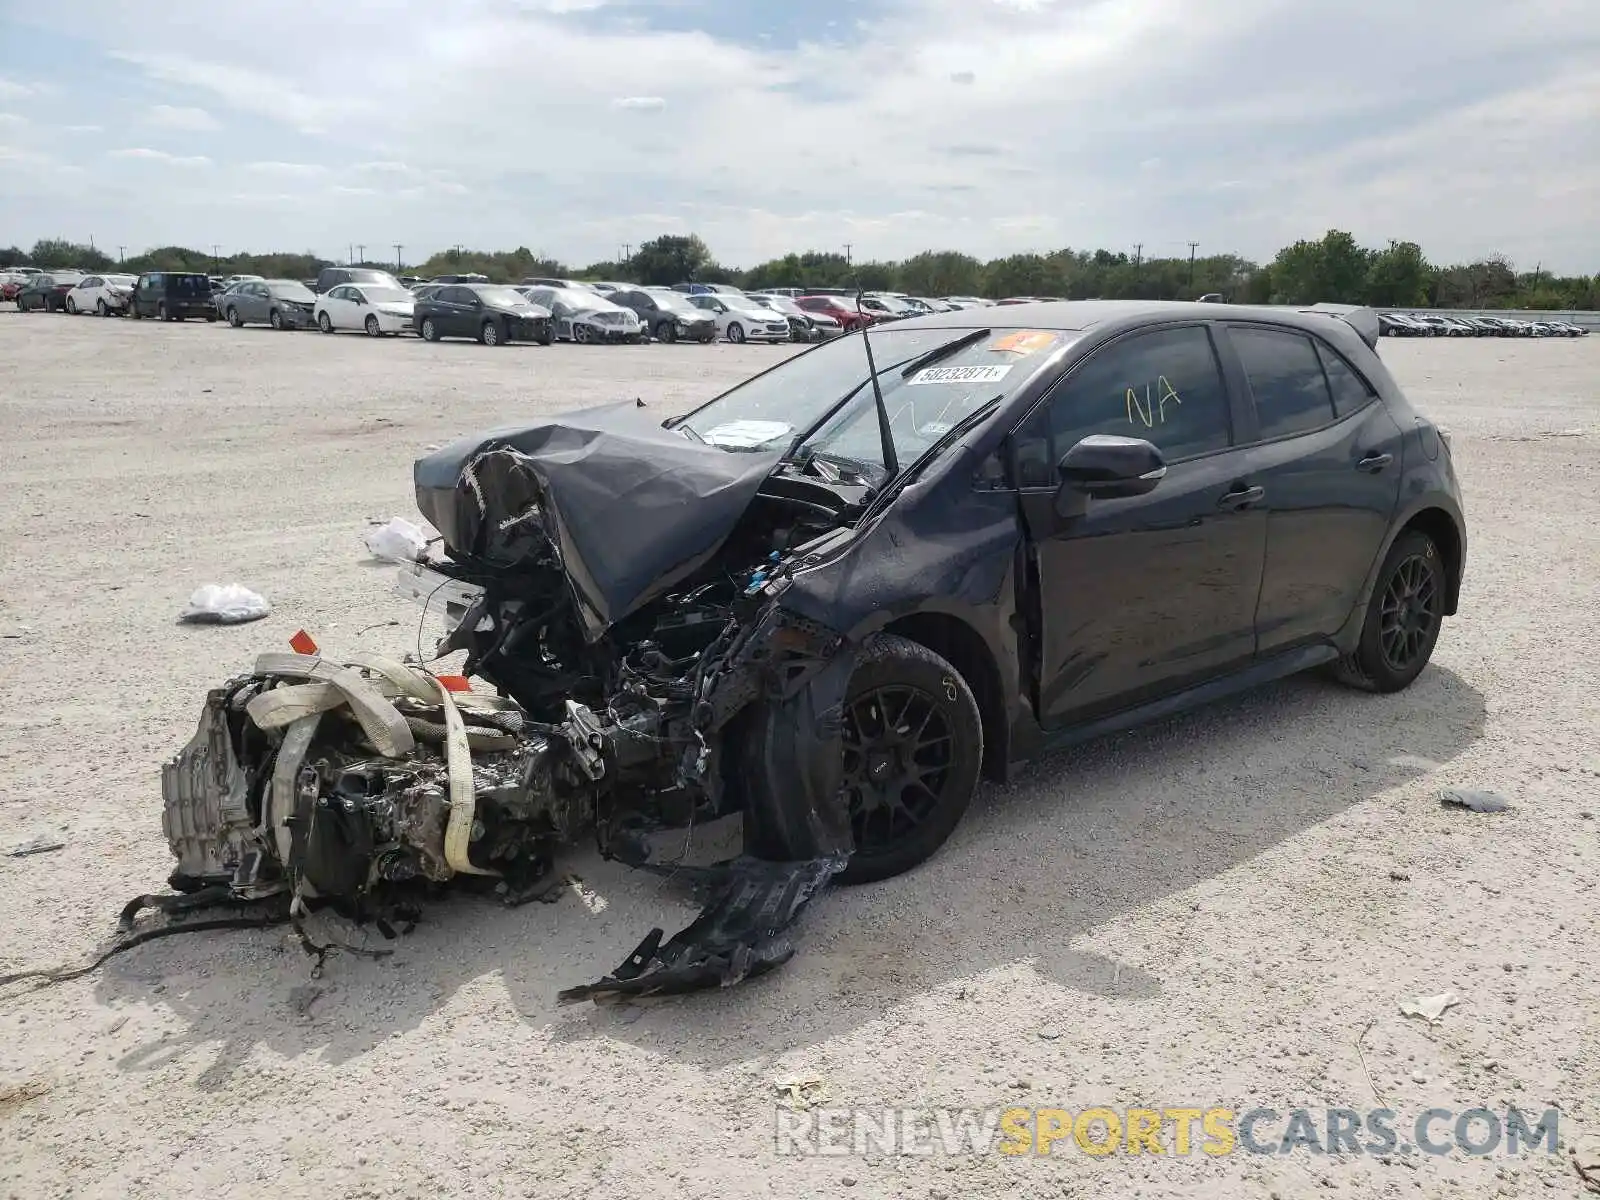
<point x="378" y="308"/>
<point x="741" y="319"/>
<point x="101" y="294"/>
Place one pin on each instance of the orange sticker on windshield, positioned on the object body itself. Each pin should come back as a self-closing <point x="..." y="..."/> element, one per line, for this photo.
<point x="1025" y="341"/>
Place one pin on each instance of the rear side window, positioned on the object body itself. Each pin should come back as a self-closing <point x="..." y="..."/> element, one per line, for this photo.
<point x="1351" y="393"/>
<point x="1164" y="386"/>
<point x="1285" y="374"/>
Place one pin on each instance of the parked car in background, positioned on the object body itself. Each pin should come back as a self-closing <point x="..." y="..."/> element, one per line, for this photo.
<point x="47" y="292"/>
<point x="230" y="280"/>
<point x="280" y="303"/>
<point x="790" y="292"/>
<point x="966" y="301"/>
<point x="493" y="314"/>
<point x="332" y="277"/>
<point x="103" y="295"/>
<point x="607" y="287"/>
<point x="741" y="319"/>
<point x="585" y="316"/>
<point x="378" y="308"/>
<point x="701" y="289"/>
<point x="667" y="316"/>
<point x="563" y="284"/>
<point x="172" y="296"/>
<point x="468" y="278"/>
<point x="841" y="308"/>
<point x="803" y="326"/>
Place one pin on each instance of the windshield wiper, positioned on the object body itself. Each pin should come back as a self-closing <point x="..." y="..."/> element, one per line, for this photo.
<point x="944" y="351"/>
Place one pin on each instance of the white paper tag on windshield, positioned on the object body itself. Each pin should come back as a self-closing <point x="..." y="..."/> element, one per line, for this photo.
<point x="982" y="373"/>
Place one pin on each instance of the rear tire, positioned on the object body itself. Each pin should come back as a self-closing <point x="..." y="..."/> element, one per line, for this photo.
<point x="161" y="312"/>
<point x="233" y="317"/>
<point x="1403" y="618"/>
<point x="913" y="750"/>
<point x="547" y="334"/>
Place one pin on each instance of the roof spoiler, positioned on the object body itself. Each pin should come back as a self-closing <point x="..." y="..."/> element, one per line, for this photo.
<point x="1360" y="318"/>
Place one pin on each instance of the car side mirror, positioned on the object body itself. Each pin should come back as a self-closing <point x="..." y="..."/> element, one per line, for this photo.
<point x="1107" y="466"/>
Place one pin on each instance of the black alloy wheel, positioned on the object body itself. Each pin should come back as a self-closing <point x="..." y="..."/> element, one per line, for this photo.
<point x="1403" y="618"/>
<point x="913" y="745"/>
<point x="1410" y="612"/>
<point x="667" y="331"/>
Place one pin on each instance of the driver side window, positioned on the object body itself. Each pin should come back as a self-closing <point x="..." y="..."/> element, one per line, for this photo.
<point x="1165" y="386"/>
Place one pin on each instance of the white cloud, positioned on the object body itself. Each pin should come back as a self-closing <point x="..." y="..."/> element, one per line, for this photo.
<point x="12" y="119"/>
<point x="83" y="128"/>
<point x="161" y="156"/>
<point x="174" y="116"/>
<point x="11" y="89"/>
<point x="1154" y="121"/>
<point x="301" y="170"/>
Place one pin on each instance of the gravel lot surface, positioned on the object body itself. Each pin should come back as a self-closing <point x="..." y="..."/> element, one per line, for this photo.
<point x="1210" y="911"/>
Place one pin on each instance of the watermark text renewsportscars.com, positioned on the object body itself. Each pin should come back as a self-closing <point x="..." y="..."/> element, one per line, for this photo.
<point x="1176" y="1131"/>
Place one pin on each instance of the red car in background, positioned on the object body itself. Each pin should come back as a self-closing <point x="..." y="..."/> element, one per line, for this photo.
<point x="840" y="308"/>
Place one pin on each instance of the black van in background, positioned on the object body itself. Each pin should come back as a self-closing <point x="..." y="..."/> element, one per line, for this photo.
<point x="172" y="296"/>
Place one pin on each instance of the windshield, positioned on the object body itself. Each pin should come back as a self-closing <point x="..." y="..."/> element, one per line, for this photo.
<point x="505" y="296"/>
<point x="121" y="280"/>
<point x="673" y="302"/>
<point x="377" y="293"/>
<point x="293" y="291"/>
<point x="773" y="409"/>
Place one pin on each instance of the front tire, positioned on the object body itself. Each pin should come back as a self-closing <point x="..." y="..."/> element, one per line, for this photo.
<point x="71" y="306"/>
<point x="275" y="319"/>
<point x="1403" y="618"/>
<point x="233" y="317"/>
<point x="580" y="334"/>
<point x="913" y="748"/>
<point x="736" y="333"/>
<point x="372" y="326"/>
<point x="666" y="332"/>
<point x="100" y="309"/>
<point x="161" y="312"/>
<point x="324" y="322"/>
<point x="547" y="334"/>
<point x="430" y="331"/>
<point x="490" y="334"/>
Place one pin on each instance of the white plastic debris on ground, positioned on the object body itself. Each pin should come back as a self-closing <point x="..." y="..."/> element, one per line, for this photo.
<point x="397" y="541"/>
<point x="224" y="604"/>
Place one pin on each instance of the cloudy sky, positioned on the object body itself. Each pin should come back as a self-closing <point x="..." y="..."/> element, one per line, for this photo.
<point x="576" y="126"/>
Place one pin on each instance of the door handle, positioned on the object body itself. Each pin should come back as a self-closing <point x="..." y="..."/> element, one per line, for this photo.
<point x="1375" y="462"/>
<point x="1241" y="497"/>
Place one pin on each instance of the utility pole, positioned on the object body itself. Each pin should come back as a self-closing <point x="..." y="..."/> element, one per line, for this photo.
<point x="361" y="249"/>
<point x="847" y="254"/>
<point x="397" y="248"/>
<point x="1192" y="246"/>
<point x="627" y="251"/>
<point x="120" y="258"/>
<point x="1138" y="254"/>
<point x="215" y="248"/>
<point x="1539" y="267"/>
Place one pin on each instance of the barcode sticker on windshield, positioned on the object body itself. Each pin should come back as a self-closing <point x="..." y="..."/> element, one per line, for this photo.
<point x="983" y="373"/>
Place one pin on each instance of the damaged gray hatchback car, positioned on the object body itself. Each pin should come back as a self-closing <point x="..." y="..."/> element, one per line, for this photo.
<point x="831" y="600"/>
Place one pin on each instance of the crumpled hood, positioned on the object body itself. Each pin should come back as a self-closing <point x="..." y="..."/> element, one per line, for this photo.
<point x="629" y="507"/>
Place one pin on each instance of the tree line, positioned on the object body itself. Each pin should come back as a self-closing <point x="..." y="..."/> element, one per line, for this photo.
<point x="1334" y="268"/>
